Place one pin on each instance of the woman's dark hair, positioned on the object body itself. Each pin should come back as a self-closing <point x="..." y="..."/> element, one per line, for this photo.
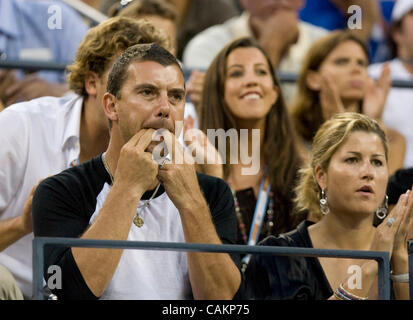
<point x="280" y="140"/>
<point x="306" y="109"/>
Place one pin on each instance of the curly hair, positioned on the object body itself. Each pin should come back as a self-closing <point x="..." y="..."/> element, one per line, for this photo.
<point x="105" y="42"/>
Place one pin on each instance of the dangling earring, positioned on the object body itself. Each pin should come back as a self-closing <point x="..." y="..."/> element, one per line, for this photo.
<point x="381" y="212"/>
<point x="323" y="203"/>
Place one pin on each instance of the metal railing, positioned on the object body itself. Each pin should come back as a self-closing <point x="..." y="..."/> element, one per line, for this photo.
<point x="33" y="65"/>
<point x="382" y="258"/>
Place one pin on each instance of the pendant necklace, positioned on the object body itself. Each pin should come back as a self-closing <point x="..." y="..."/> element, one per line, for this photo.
<point x="138" y="220"/>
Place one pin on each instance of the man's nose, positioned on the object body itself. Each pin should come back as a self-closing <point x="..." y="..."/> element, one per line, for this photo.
<point x="163" y="107"/>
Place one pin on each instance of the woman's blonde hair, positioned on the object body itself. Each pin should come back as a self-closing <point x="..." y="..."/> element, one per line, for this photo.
<point x="331" y="135"/>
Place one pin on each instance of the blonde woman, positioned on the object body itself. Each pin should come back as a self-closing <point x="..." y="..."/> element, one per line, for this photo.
<point x="344" y="187"/>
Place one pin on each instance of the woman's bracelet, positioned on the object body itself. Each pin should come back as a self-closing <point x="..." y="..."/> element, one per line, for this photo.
<point x="343" y="294"/>
<point x="404" y="277"/>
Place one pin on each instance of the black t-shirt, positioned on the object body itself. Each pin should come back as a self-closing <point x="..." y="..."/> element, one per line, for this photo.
<point x="285" y="277"/>
<point x="399" y="183"/>
<point x="281" y="216"/>
<point x="63" y="205"/>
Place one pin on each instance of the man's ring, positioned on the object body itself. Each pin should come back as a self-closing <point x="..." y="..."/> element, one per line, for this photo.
<point x="390" y="221"/>
<point x="162" y="163"/>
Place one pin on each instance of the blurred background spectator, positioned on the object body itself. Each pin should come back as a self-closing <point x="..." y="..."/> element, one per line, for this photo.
<point x="37" y="31"/>
<point x="334" y="79"/>
<point x="398" y="110"/>
<point x="333" y="15"/>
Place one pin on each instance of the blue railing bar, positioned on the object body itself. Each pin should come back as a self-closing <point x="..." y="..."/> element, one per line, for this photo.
<point x="381" y="257"/>
<point x="33" y="65"/>
<point x="292" y="78"/>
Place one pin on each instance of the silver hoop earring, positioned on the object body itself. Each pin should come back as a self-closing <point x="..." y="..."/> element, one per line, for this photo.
<point x="323" y="203"/>
<point x="381" y="212"/>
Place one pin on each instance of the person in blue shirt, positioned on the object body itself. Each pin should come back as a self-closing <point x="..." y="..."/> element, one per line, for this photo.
<point x="38" y="31"/>
<point x="335" y="14"/>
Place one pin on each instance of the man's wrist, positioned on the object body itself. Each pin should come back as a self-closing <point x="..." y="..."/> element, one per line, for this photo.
<point x="128" y="192"/>
<point x="194" y="203"/>
<point x="19" y="226"/>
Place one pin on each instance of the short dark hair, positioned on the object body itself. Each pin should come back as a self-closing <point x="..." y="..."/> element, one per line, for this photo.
<point x="140" y="52"/>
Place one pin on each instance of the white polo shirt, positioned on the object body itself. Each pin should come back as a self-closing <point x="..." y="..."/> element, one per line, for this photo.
<point x="398" y="111"/>
<point x="38" y="138"/>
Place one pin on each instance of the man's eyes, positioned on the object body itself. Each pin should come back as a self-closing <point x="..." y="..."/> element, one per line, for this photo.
<point x="146" y="92"/>
<point x="176" y="96"/>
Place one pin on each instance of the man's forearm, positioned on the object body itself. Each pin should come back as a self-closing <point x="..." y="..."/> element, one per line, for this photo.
<point x="97" y="266"/>
<point x="10" y="231"/>
<point x="212" y="275"/>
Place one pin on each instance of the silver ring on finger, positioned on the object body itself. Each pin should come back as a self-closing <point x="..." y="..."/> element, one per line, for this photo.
<point x="390" y="222"/>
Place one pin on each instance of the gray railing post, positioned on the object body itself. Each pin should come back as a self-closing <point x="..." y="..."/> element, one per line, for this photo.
<point x="410" y="253"/>
<point x="38" y="263"/>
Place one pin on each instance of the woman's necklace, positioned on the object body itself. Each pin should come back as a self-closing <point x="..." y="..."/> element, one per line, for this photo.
<point x="269" y="217"/>
<point x="138" y="220"/>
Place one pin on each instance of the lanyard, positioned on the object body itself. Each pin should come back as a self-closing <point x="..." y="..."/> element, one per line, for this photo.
<point x="259" y="215"/>
<point x="75" y="163"/>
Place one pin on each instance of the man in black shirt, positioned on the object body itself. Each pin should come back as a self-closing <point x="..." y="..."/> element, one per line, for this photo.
<point x="125" y="194"/>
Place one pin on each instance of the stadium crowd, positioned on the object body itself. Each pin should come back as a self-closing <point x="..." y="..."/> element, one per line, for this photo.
<point x="175" y="121"/>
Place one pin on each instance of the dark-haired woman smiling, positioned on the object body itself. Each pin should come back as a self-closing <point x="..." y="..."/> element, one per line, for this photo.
<point x="241" y="92"/>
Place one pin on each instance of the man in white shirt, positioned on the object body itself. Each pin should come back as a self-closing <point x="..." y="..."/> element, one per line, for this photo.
<point x="44" y="31"/>
<point x="275" y="25"/>
<point x="398" y="111"/>
<point x="44" y="136"/>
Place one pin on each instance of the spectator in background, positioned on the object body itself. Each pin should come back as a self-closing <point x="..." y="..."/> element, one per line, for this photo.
<point x="160" y="13"/>
<point x="8" y="286"/>
<point x="36" y="31"/>
<point x="273" y="23"/>
<point x="334" y="15"/>
<point x="193" y="16"/>
<point x="242" y="93"/>
<point x="93" y="3"/>
<point x="399" y="183"/>
<point x="398" y="110"/>
<point x="44" y="136"/>
<point x="334" y="79"/>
